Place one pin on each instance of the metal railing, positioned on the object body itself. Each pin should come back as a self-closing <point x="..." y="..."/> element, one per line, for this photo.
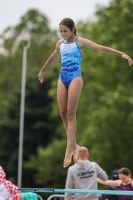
<point x="39" y="197"/>
<point x="56" y="196"/>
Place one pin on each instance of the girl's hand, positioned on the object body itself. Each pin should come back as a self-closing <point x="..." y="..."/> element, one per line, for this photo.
<point x="40" y="77"/>
<point x="130" y="62"/>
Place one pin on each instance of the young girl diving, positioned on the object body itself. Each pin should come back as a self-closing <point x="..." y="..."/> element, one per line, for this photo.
<point x="70" y="82"/>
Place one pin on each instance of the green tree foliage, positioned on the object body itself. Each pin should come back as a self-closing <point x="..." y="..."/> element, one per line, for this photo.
<point x="39" y="126"/>
<point x="109" y="89"/>
<point x="33" y="25"/>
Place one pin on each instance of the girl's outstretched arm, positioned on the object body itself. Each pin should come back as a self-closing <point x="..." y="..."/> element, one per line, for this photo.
<point x="87" y="43"/>
<point x="109" y="182"/>
<point x="50" y="61"/>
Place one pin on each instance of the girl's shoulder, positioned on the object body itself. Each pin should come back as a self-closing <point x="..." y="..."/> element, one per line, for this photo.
<point x="80" y="41"/>
<point x="119" y="181"/>
<point x="81" y="38"/>
<point x="78" y="38"/>
<point x="59" y="42"/>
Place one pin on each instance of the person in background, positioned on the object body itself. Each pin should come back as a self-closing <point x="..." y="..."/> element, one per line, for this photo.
<point x="8" y="191"/>
<point x="114" y="176"/>
<point x="125" y="182"/>
<point x="83" y="175"/>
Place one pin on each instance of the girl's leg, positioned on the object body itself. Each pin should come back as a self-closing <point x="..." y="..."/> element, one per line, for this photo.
<point x="62" y="97"/>
<point x="74" y="92"/>
<point x="68" y="101"/>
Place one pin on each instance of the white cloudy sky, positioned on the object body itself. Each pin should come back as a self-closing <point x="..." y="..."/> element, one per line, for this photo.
<point x="12" y="10"/>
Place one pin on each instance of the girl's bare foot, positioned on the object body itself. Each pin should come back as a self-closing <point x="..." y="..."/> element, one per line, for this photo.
<point x="67" y="160"/>
<point x="75" y="153"/>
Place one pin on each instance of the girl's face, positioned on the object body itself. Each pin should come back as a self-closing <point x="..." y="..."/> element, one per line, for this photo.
<point x="66" y="33"/>
<point x="125" y="178"/>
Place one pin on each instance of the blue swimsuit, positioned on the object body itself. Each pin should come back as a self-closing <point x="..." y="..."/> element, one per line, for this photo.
<point x="71" y="58"/>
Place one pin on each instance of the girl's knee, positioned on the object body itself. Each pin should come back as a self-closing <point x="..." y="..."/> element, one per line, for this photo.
<point x="63" y="116"/>
<point x="70" y="115"/>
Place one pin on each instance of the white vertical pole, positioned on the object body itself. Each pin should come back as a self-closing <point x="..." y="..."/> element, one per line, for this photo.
<point x="22" y="109"/>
